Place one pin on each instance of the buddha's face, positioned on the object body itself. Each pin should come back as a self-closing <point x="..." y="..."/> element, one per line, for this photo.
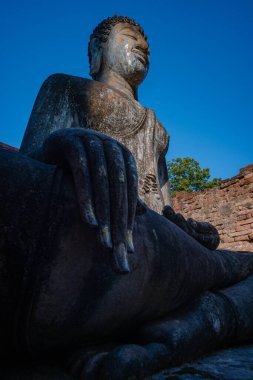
<point x="126" y="52"/>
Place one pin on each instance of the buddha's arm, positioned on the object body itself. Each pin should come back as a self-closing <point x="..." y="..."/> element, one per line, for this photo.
<point x="163" y="179"/>
<point x="162" y="143"/>
<point x="104" y="172"/>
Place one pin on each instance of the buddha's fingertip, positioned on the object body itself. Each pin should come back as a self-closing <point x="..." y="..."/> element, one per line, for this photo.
<point x="88" y="216"/>
<point x="130" y="244"/>
<point x="105" y="236"/>
<point x="121" y="264"/>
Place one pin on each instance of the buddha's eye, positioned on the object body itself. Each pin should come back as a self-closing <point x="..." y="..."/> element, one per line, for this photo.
<point x="130" y="36"/>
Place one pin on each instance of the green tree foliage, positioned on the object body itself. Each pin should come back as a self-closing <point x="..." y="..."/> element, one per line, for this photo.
<point x="185" y="174"/>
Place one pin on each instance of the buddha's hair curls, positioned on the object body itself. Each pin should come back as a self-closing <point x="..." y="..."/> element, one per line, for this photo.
<point x="103" y="29"/>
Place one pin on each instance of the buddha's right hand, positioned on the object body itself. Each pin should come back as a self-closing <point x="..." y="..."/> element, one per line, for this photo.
<point x="105" y="178"/>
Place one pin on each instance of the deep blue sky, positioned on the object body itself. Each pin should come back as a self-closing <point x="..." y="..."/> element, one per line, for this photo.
<point x="201" y="76"/>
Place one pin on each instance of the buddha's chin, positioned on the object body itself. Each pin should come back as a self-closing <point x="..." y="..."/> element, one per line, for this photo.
<point x="137" y="74"/>
<point x="141" y="67"/>
<point x="138" y="77"/>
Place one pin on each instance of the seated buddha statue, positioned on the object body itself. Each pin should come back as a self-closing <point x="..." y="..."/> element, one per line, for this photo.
<point x="92" y="274"/>
<point x="119" y="61"/>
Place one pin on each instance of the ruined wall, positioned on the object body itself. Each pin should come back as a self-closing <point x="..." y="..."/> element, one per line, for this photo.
<point x="229" y="208"/>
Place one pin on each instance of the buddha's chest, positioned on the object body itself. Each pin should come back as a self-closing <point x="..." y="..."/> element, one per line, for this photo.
<point x="107" y="111"/>
<point x="126" y="120"/>
<point x="136" y="127"/>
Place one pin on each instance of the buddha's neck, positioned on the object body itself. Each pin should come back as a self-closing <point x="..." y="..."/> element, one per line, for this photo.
<point x="115" y="80"/>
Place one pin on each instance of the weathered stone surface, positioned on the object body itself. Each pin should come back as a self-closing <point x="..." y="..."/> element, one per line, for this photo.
<point x="229" y="208"/>
<point x="63" y="297"/>
<point x="229" y="364"/>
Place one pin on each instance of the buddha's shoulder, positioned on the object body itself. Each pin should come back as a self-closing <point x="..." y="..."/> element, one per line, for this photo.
<point x="66" y="81"/>
<point x="103" y="107"/>
<point x="82" y="86"/>
<point x="87" y="90"/>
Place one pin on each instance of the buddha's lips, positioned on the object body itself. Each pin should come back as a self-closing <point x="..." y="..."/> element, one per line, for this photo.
<point x="141" y="56"/>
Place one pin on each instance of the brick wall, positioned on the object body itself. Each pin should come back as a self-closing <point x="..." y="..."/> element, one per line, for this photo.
<point x="229" y="208"/>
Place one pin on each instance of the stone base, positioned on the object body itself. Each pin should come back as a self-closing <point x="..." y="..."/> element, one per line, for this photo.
<point x="229" y="364"/>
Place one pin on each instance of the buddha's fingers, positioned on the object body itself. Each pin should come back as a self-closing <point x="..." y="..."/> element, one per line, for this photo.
<point x="133" y="361"/>
<point x="100" y="185"/>
<point x="85" y="364"/>
<point x="77" y="160"/>
<point x="132" y="193"/>
<point x="118" y="202"/>
<point x="67" y="151"/>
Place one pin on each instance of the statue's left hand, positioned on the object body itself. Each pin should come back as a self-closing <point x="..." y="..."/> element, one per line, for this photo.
<point x="105" y="178"/>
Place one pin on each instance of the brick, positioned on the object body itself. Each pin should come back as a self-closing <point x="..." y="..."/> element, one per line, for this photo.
<point x="248" y="181"/>
<point x="248" y="202"/>
<point x="241" y="217"/>
<point x="227" y="239"/>
<point x="243" y="227"/>
<point x="242" y="238"/>
<point x="246" y="221"/>
<point x="239" y="233"/>
<point x="245" y="212"/>
<point x="246" y="169"/>
<point x="249" y="175"/>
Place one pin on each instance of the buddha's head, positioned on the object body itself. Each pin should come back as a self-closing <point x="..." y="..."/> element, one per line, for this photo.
<point x="120" y="45"/>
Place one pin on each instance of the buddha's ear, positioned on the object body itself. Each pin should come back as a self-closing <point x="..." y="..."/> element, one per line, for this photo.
<point x="96" y="52"/>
